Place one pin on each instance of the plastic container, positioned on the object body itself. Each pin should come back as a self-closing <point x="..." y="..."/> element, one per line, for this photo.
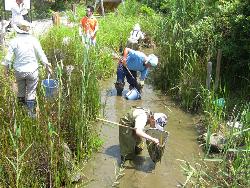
<point x="50" y="86"/>
<point x="219" y="102"/>
<point x="133" y="94"/>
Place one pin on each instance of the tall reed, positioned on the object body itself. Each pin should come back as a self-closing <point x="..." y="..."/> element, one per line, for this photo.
<point x="36" y="158"/>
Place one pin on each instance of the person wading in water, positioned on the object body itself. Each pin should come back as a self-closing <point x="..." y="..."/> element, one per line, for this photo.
<point x="130" y="140"/>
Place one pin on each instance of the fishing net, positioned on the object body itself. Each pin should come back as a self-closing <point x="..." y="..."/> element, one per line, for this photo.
<point x="156" y="151"/>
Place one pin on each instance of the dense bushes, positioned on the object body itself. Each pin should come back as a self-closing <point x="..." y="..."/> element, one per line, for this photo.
<point x="203" y="27"/>
<point x="188" y="38"/>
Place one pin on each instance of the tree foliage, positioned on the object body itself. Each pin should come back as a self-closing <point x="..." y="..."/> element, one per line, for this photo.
<point x="206" y="26"/>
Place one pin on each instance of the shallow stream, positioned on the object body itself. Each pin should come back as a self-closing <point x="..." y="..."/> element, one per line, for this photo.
<point x="103" y="168"/>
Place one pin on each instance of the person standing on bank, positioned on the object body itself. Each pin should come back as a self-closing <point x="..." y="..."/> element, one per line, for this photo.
<point x="128" y="66"/>
<point x="89" y="25"/>
<point x="23" y="51"/>
<point x="131" y="140"/>
<point x="18" y="11"/>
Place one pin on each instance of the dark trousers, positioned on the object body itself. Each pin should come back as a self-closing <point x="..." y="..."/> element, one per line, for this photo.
<point x="123" y="72"/>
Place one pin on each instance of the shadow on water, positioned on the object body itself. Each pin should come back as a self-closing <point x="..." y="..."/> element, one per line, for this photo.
<point x="140" y="162"/>
<point x="113" y="151"/>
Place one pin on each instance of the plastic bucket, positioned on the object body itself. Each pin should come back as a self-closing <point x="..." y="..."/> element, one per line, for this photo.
<point x="133" y="94"/>
<point x="50" y="86"/>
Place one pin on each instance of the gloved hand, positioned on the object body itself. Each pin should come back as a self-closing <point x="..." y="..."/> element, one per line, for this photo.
<point x="141" y="83"/>
<point x="155" y="140"/>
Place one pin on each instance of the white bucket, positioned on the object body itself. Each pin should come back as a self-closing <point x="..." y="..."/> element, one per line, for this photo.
<point x="133" y="94"/>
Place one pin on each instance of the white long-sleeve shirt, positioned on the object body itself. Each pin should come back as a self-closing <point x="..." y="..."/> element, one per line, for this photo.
<point x="135" y="35"/>
<point x="25" y="49"/>
<point x="140" y="118"/>
<point x="17" y="12"/>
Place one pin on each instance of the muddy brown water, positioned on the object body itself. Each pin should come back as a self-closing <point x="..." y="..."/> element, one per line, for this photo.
<point x="103" y="168"/>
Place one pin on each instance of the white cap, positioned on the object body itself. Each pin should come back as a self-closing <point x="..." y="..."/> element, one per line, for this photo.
<point x="137" y="27"/>
<point x="22" y="27"/>
<point x="160" y="121"/>
<point x="153" y="60"/>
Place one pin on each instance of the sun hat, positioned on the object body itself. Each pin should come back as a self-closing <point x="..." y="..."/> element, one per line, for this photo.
<point x="160" y="121"/>
<point x="153" y="60"/>
<point x="22" y="27"/>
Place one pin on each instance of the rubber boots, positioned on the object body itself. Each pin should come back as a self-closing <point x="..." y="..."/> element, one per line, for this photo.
<point x="119" y="88"/>
<point x="31" y="105"/>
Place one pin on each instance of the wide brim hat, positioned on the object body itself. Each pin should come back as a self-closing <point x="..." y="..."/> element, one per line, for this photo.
<point x="23" y="27"/>
<point x="160" y="121"/>
<point x="153" y="60"/>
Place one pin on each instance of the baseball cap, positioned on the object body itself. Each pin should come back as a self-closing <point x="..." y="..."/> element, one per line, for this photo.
<point x="160" y="121"/>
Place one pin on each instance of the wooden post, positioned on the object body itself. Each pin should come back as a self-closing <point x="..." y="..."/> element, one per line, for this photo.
<point x="209" y="76"/>
<point x="56" y="18"/>
<point x="217" y="76"/>
<point x="73" y="7"/>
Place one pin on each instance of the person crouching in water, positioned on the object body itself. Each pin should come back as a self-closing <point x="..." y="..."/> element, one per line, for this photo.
<point x="130" y="140"/>
<point x="25" y="48"/>
<point x="135" y="36"/>
<point x="128" y="66"/>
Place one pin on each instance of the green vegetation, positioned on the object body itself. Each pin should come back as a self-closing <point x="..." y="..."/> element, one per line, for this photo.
<point x="32" y="150"/>
<point x="188" y="35"/>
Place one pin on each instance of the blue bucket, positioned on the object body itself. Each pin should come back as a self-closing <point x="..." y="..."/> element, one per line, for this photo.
<point x="50" y="86"/>
<point x="133" y="94"/>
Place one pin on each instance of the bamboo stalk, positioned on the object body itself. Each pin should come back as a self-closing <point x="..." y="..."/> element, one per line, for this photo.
<point x="115" y="123"/>
<point x="209" y="73"/>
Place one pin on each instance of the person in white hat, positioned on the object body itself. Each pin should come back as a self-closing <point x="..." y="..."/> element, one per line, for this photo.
<point x="128" y="66"/>
<point x="131" y="140"/>
<point x="135" y="36"/>
<point x="22" y="52"/>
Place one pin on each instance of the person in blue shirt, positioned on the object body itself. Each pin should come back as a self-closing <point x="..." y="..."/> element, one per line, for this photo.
<point x="128" y="66"/>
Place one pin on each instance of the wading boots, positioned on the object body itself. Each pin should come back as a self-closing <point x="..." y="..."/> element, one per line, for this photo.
<point x="31" y="105"/>
<point x="119" y="88"/>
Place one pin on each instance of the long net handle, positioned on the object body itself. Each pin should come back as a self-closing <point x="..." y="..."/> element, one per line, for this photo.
<point x="115" y="123"/>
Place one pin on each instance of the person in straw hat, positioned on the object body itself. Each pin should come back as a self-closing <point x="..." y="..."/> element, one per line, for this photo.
<point x="128" y="66"/>
<point x="22" y="52"/>
<point x="131" y="139"/>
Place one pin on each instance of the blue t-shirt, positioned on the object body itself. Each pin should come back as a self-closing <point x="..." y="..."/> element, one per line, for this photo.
<point x="135" y="61"/>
